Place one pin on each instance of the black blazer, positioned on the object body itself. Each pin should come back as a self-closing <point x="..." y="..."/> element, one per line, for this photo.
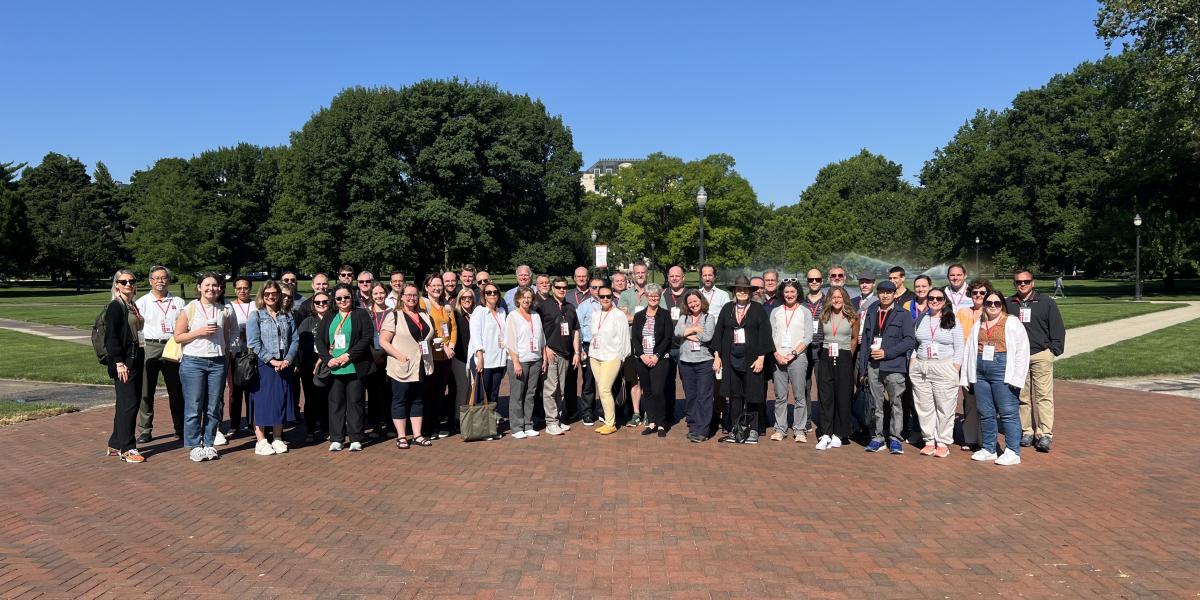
<point x="119" y="344"/>
<point x="664" y="330"/>
<point x="758" y="333"/>
<point x="362" y="335"/>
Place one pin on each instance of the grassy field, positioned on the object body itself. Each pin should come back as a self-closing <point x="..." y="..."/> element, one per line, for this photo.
<point x="1168" y="351"/>
<point x="36" y="358"/>
<point x="16" y="412"/>
<point x="81" y="316"/>
<point x="1080" y="314"/>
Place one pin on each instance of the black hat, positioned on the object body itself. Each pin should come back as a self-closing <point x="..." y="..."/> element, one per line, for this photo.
<point x="743" y="282"/>
<point x="886" y="286"/>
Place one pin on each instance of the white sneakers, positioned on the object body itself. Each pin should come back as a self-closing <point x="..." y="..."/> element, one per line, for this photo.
<point x="355" y="446"/>
<point x="829" y="442"/>
<point x="983" y="455"/>
<point x="1009" y="458"/>
<point x="220" y="440"/>
<point x="279" y="446"/>
<point x="834" y="442"/>
<point x="554" y="430"/>
<point x="564" y="427"/>
<point x="198" y="454"/>
<point x="518" y="435"/>
<point x="823" y="443"/>
<point x="335" y="446"/>
<point x="263" y="448"/>
<point x="531" y="433"/>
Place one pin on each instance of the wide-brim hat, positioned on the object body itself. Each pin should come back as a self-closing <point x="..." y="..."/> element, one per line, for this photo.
<point x="743" y="282"/>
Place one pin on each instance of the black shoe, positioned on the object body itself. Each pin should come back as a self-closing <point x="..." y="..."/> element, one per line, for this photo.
<point x="691" y="437"/>
<point x="145" y="438"/>
<point x="647" y="431"/>
<point x="662" y="433"/>
<point x="1026" y="441"/>
<point x="1043" y="444"/>
<point x="729" y="439"/>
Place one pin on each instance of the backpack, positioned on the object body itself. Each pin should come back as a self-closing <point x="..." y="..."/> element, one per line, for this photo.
<point x="99" y="330"/>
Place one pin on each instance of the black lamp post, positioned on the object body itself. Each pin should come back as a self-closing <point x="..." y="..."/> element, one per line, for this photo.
<point x="1137" y="273"/>
<point x="976" y="254"/>
<point x="701" y="200"/>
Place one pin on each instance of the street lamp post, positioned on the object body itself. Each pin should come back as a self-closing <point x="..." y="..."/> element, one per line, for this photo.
<point x="977" y="254"/>
<point x="1137" y="272"/>
<point x="701" y="200"/>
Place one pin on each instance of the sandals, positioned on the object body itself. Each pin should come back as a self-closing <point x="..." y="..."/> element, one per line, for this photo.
<point x="402" y="443"/>
<point x="422" y="441"/>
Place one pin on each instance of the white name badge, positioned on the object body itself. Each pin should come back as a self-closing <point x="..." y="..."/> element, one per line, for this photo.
<point x="877" y="343"/>
<point x="638" y="309"/>
<point x="739" y="335"/>
<point x="932" y="352"/>
<point x="989" y="352"/>
<point x="141" y="339"/>
<point x="674" y="313"/>
<point x="816" y="325"/>
<point x="1026" y="314"/>
<point x="424" y="346"/>
<point x="445" y="330"/>
<point x="167" y="327"/>
<point x="339" y="341"/>
<point x="648" y="344"/>
<point x="564" y="329"/>
<point x="695" y="345"/>
<point x="833" y="349"/>
<point x="533" y="347"/>
<point x="787" y="343"/>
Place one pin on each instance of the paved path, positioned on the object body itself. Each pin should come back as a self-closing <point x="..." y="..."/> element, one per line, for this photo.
<point x="54" y="332"/>
<point x="1182" y="385"/>
<point x="585" y="516"/>
<point x="80" y="395"/>
<point x="1091" y="337"/>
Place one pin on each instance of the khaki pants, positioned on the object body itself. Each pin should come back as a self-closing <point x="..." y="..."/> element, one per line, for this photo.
<point x="935" y="397"/>
<point x="1039" y="392"/>
<point x="553" y="386"/>
<point x="606" y="372"/>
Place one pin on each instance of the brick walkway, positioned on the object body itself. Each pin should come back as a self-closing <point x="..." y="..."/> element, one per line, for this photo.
<point x="581" y="516"/>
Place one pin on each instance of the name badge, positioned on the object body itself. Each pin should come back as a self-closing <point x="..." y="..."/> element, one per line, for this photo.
<point x="376" y="341"/>
<point x="564" y="328"/>
<point x="695" y="345"/>
<point x="674" y="313"/>
<point x="787" y="343"/>
<point x="339" y="341"/>
<point x="424" y="346"/>
<point x="739" y="335"/>
<point x="989" y="352"/>
<point x="816" y="325"/>
<point x="533" y="344"/>
<point x="877" y="343"/>
<point x="648" y="344"/>
<point x="167" y="327"/>
<point x="932" y="352"/>
<point x="833" y="349"/>
<point x="141" y="339"/>
<point x="445" y="330"/>
<point x="1026" y="314"/>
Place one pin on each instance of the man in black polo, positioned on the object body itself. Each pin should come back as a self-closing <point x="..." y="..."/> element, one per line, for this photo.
<point x="1047" y="334"/>
<point x="561" y="354"/>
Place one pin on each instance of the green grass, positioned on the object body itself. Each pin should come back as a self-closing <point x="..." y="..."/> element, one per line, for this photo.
<point x="15" y="412"/>
<point x="1078" y="315"/>
<point x="1168" y="351"/>
<point x="37" y="358"/>
<point x="80" y="316"/>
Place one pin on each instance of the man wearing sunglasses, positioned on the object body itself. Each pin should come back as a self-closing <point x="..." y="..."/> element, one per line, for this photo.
<point x="346" y="275"/>
<point x="289" y="278"/>
<point x="814" y="303"/>
<point x="1047" y="334"/>
<point x="837" y="279"/>
<point x="561" y="354"/>
<point x="365" y="281"/>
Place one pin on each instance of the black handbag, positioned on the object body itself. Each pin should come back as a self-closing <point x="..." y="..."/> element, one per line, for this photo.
<point x="245" y="368"/>
<point x="321" y="378"/>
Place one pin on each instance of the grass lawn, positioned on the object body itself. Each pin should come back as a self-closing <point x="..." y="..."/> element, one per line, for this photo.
<point x="1080" y="314"/>
<point x="16" y="412"/>
<point x="1168" y="351"/>
<point x="36" y="358"/>
<point x="81" y="316"/>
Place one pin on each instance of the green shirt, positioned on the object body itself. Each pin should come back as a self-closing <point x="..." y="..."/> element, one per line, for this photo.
<point x="334" y="351"/>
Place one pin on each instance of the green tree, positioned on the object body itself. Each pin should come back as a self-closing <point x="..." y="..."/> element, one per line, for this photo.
<point x="172" y="223"/>
<point x="15" y="238"/>
<point x="239" y="185"/>
<point x="72" y="233"/>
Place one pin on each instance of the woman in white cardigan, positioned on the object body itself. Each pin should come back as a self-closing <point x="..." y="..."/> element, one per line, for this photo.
<point x="996" y="362"/>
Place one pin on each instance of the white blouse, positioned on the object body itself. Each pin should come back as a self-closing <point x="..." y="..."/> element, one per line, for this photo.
<point x="610" y="335"/>
<point x="487" y="334"/>
<point x="526" y="338"/>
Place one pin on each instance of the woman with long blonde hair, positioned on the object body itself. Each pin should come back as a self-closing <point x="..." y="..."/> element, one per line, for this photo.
<point x="835" y="370"/>
<point x="125" y="353"/>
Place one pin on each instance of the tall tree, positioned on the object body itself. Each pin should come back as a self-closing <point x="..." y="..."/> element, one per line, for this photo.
<point x="172" y="224"/>
<point x="73" y="236"/>
<point x="15" y="238"/>
<point x="239" y="185"/>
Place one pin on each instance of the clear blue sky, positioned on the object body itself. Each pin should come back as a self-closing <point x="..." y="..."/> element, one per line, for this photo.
<point x="783" y="87"/>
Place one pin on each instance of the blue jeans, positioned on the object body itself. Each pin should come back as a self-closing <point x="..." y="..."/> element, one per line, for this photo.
<point x="996" y="400"/>
<point x="203" y="382"/>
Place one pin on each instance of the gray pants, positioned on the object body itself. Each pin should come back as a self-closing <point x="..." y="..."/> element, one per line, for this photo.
<point x="521" y="393"/>
<point x="553" y="387"/>
<point x="791" y="375"/>
<point x="894" y="385"/>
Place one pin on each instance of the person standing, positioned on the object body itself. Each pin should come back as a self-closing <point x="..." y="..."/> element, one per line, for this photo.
<point x="450" y="286"/>
<point x="889" y="330"/>
<point x="586" y="309"/>
<point x="650" y="341"/>
<point x="437" y="399"/>
<point x="125" y="351"/>
<point x="866" y="293"/>
<point x="582" y="291"/>
<point x="379" y="390"/>
<point x="693" y="334"/>
<point x="406" y="338"/>
<point x="344" y="344"/>
<point x="320" y="285"/>
<point x="716" y="298"/>
<point x="205" y="329"/>
<point x="290" y="279"/>
<point x="316" y="396"/>
<point x="791" y="332"/>
<point x="770" y="292"/>
<point x="967" y="318"/>
<point x="272" y="335"/>
<point x="933" y="371"/>
<point x="158" y="309"/>
<point x="1047" y="334"/>
<point x="742" y="340"/>
<point x="837" y="279"/>
<point x="835" y="375"/>
<point x="396" y="289"/>
<point x="487" y="341"/>
<point x="958" y="294"/>
<point x="896" y="275"/>
<point x="524" y="280"/>
<point x="524" y="340"/>
<point x="239" y="397"/>
<point x="814" y="303"/>
<point x="365" y="281"/>
<point x="996" y="364"/>
<point x="633" y="301"/>
<point x="463" y="306"/>
<point x="609" y="347"/>
<point x="346" y="275"/>
<point x="560" y="328"/>
<point x="673" y="302"/>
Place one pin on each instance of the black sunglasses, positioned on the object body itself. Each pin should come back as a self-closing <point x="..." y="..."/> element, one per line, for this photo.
<point x="126" y="281"/>
<point x="815" y="280"/>
<point x="560" y="287"/>
<point x="490" y="293"/>
<point x="604" y="296"/>
<point x="979" y="293"/>
<point x="342" y="298"/>
<point x="1022" y="281"/>
<point x="321" y="302"/>
<point x="837" y="275"/>
<point x="936" y="298"/>
<point x="993" y="303"/>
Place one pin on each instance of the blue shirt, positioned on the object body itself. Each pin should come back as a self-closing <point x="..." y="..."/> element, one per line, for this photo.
<point x="584" y="314"/>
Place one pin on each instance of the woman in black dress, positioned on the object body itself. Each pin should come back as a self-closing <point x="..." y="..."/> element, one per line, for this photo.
<point x="742" y="341"/>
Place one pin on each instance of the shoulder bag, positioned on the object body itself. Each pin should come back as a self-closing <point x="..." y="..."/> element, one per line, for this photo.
<point x="476" y="421"/>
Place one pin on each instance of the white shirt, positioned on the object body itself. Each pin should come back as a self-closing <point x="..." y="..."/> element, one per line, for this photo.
<point x="159" y="315"/>
<point x="526" y="338"/>
<point x="610" y="335"/>
<point x="487" y="334"/>
<point x="959" y="299"/>
<point x="716" y="298"/>
<point x="208" y="346"/>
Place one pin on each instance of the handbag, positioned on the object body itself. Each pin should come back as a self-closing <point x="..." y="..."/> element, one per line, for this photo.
<point x="321" y="378"/>
<point x="476" y="421"/>
<point x="173" y="350"/>
<point x="245" y="368"/>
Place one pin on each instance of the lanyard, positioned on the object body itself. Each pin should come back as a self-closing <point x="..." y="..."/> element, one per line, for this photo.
<point x="934" y="325"/>
<point x="499" y="325"/>
<point x="788" y="314"/>
<point x="167" y="310"/>
<point x="958" y="298"/>
<point x="833" y="325"/>
<point x="709" y="294"/>
<point x="988" y="330"/>
<point x="603" y="316"/>
<point x="205" y="310"/>
<point x="341" y="324"/>
<point x="378" y="317"/>
<point x="741" y="313"/>
<point x="245" y="313"/>
<point x="579" y="296"/>
<point x="883" y="317"/>
<point x="416" y="319"/>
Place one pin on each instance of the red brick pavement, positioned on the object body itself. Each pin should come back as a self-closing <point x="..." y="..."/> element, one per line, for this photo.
<point x="585" y="516"/>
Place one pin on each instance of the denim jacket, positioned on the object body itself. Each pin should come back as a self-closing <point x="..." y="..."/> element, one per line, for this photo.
<point x="264" y="336"/>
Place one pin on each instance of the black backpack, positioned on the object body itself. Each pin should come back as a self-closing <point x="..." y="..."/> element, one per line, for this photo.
<point x="99" y="331"/>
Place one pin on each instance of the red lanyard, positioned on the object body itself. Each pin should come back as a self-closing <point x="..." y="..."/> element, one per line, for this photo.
<point x="788" y="313"/>
<point x="933" y="326"/>
<point x="205" y="310"/>
<point x="245" y="313"/>
<point x="988" y="330"/>
<point x="603" y="316"/>
<point x="416" y="319"/>
<point x="378" y="318"/>
<point x="167" y="310"/>
<point x="532" y="335"/>
<point x="741" y="313"/>
<point x="833" y="325"/>
<point x="499" y="325"/>
<point x="883" y="316"/>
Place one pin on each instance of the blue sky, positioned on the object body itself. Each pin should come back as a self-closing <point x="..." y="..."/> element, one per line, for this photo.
<point x="783" y="87"/>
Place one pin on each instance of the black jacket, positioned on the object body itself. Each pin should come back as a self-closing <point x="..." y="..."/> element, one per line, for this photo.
<point x="362" y="334"/>
<point x="664" y="330"/>
<point x="758" y="333"/>
<point x="119" y="343"/>
<point x="1045" y="326"/>
<point x="899" y="339"/>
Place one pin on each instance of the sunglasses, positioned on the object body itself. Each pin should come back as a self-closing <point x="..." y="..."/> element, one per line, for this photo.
<point x="289" y="281"/>
<point x="345" y="274"/>
<point x="979" y="293"/>
<point x="937" y="299"/>
<point x="320" y="302"/>
<point x="490" y="293"/>
<point x="815" y="280"/>
<point x="604" y="296"/>
<point x="266" y="294"/>
<point x="837" y="275"/>
<point x="594" y="287"/>
<point x="362" y="281"/>
<point x="342" y="299"/>
<point x="560" y="287"/>
<point x="126" y="281"/>
<point x="993" y="304"/>
<point x="1022" y="281"/>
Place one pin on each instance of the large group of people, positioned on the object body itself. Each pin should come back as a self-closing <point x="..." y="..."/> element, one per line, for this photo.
<point x="361" y="360"/>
